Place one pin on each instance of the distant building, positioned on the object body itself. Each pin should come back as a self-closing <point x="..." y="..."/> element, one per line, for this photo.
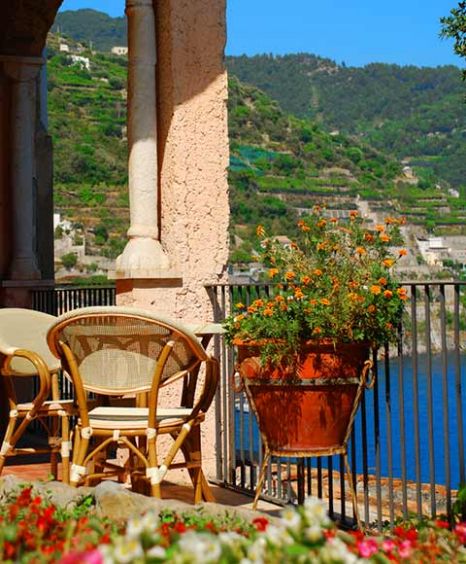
<point x="83" y="62"/>
<point x="120" y="50"/>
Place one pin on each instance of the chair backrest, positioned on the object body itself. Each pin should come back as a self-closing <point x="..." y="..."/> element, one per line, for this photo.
<point x="26" y="329"/>
<point x="116" y="349"/>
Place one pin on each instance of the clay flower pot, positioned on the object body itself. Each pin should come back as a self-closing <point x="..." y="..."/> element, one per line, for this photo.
<point x="307" y="409"/>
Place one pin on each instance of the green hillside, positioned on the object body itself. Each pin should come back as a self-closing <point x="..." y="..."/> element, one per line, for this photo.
<point x="281" y="165"/>
<point x="91" y="26"/>
<point x="87" y="120"/>
<point x="413" y="113"/>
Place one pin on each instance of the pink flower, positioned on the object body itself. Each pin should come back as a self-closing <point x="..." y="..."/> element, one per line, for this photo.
<point x="460" y="532"/>
<point x="388" y="545"/>
<point x="88" y="557"/>
<point x="367" y="547"/>
<point x="405" y="549"/>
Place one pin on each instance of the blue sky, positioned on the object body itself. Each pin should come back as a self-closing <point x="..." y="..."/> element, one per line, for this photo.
<point x="354" y="31"/>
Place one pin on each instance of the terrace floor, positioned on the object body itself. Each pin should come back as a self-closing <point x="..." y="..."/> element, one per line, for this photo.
<point x="184" y="493"/>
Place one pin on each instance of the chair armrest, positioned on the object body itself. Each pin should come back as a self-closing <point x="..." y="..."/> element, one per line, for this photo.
<point x="210" y="386"/>
<point x="41" y="369"/>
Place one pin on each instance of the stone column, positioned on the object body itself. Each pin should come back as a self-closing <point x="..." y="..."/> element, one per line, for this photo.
<point x="143" y="256"/>
<point x="23" y="72"/>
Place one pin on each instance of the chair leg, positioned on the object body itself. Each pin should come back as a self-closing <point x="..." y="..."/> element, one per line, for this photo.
<point x="6" y="445"/>
<point x="152" y="458"/>
<point x="265" y="461"/>
<point x="81" y="445"/>
<point x="351" y="487"/>
<point x="65" y="449"/>
<point x="191" y="449"/>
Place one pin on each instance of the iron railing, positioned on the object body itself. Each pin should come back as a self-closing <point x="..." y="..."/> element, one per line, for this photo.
<point x="408" y="443"/>
<point x="61" y="299"/>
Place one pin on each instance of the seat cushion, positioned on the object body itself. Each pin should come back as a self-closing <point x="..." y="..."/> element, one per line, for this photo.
<point x="104" y="417"/>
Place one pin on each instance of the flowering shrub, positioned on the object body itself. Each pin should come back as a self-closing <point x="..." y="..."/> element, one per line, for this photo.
<point x="33" y="530"/>
<point x="335" y="282"/>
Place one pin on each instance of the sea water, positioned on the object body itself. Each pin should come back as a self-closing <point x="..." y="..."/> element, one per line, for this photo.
<point x="395" y="425"/>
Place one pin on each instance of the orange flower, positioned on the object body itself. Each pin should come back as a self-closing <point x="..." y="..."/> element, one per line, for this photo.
<point x="321" y="246"/>
<point x="383" y="281"/>
<point x="260" y="231"/>
<point x="353" y="284"/>
<point x="283" y="307"/>
<point x="402" y="294"/>
<point x="240" y="305"/>
<point x="384" y="238"/>
<point x="313" y="301"/>
<point x="375" y="289"/>
<point x="371" y="308"/>
<point x="321" y="223"/>
<point x="388" y="294"/>
<point x="302" y="225"/>
<point x="334" y="220"/>
<point x="360" y="250"/>
<point x="368" y="237"/>
<point x="273" y="272"/>
<point x="316" y="331"/>
<point x="306" y="280"/>
<point x="317" y="272"/>
<point x="380" y="228"/>
<point x="388" y="262"/>
<point x="390" y="220"/>
<point x="325" y="301"/>
<point x="268" y="311"/>
<point x="258" y="303"/>
<point x="290" y="275"/>
<point x="402" y="252"/>
<point x="353" y="215"/>
<point x="279" y="298"/>
<point x="252" y="309"/>
<point x="353" y="296"/>
<point x="239" y="317"/>
<point x="298" y="294"/>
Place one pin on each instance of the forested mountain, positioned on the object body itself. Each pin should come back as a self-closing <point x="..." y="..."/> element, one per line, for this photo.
<point x="92" y="27"/>
<point x="413" y="113"/>
<point x="281" y="164"/>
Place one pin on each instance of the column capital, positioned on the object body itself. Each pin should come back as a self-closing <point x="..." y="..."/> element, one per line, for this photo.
<point x="133" y="4"/>
<point x="22" y="69"/>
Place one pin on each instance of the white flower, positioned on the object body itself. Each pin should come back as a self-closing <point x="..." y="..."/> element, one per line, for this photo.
<point x="157" y="552"/>
<point x="315" y="511"/>
<point x="257" y="550"/>
<point x="200" y="547"/>
<point x="127" y="550"/>
<point x="137" y="525"/>
<point x="313" y="533"/>
<point x="335" y="551"/>
<point x="291" y="519"/>
<point x="230" y="538"/>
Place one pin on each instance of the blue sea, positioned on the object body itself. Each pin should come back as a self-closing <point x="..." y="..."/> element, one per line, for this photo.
<point x="446" y="454"/>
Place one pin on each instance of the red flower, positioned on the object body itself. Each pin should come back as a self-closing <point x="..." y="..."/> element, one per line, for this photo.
<point x="260" y="523"/>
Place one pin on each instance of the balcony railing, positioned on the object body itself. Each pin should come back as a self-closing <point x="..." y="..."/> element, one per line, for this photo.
<point x="407" y="450"/>
<point x="408" y="443"/>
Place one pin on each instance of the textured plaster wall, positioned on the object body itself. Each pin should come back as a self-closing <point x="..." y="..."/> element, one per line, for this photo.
<point x="193" y="159"/>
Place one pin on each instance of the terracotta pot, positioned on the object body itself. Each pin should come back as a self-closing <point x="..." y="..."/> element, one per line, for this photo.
<point x="308" y="408"/>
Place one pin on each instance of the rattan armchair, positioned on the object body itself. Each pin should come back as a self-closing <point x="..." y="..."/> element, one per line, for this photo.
<point x="24" y="353"/>
<point x="115" y="352"/>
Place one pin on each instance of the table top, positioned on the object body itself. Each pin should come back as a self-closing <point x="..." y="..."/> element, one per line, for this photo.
<point x="207" y="328"/>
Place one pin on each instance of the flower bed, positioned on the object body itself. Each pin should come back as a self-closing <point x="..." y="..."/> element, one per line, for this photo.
<point x="35" y="531"/>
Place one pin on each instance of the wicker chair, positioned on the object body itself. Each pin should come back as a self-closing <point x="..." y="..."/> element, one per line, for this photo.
<point x="117" y="352"/>
<point x="24" y="353"/>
